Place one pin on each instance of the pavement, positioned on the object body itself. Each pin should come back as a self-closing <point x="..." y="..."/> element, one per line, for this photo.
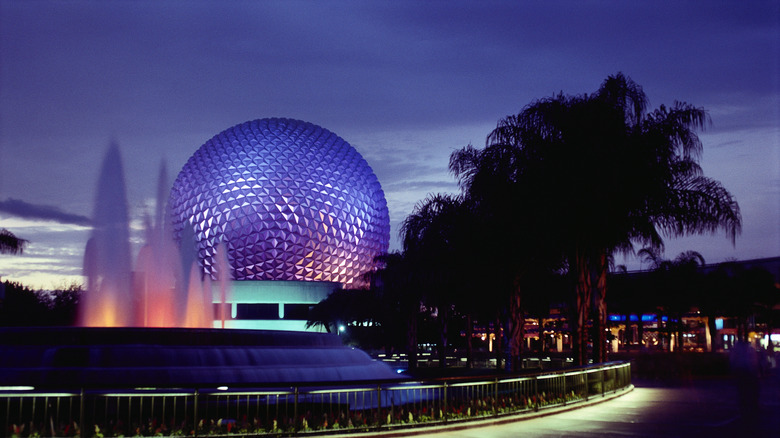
<point x="694" y="408"/>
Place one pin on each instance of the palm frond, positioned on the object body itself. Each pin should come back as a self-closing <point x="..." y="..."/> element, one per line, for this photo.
<point x="699" y="205"/>
<point x="622" y="92"/>
<point x="689" y="257"/>
<point x="464" y="164"/>
<point x="10" y="244"/>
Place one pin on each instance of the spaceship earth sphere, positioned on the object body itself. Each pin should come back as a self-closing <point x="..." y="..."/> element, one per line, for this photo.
<point x="290" y="200"/>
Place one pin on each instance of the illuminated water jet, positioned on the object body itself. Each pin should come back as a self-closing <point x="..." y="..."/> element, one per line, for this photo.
<point x="107" y="255"/>
<point x="155" y="295"/>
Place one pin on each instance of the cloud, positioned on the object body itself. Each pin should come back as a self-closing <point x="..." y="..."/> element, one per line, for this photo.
<point x="19" y="208"/>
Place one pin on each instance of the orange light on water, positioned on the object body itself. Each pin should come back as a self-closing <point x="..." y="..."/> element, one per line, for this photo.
<point x="103" y="311"/>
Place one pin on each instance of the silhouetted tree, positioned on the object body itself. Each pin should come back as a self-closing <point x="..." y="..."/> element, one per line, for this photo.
<point x="10" y="244"/>
<point x="22" y="306"/>
<point x="339" y="307"/>
<point x="743" y="293"/>
<point x="513" y="238"/>
<point x="399" y="296"/>
<point x="675" y="285"/>
<point x="436" y="237"/>
<point x="599" y="173"/>
<point x="62" y="304"/>
<point x="357" y="311"/>
<point x="632" y="294"/>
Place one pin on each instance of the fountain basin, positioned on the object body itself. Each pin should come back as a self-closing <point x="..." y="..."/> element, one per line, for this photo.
<point x="76" y="357"/>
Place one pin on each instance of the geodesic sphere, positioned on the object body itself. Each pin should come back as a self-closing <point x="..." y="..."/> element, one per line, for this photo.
<point x="291" y="201"/>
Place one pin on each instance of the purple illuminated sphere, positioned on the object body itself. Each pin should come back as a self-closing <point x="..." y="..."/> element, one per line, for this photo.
<point x="291" y="200"/>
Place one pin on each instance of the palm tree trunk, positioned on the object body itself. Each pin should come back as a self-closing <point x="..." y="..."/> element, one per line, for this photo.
<point x="469" y="346"/>
<point x="499" y="350"/>
<point x="640" y="331"/>
<point x="518" y="327"/>
<point x="411" y="340"/>
<point x="443" y="317"/>
<point x="582" y="292"/>
<point x="627" y="333"/>
<point x="679" y="333"/>
<point x="600" y="311"/>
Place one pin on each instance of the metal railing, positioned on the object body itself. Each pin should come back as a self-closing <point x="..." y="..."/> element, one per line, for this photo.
<point x="298" y="410"/>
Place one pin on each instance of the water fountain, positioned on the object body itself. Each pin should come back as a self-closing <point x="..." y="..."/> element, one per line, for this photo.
<point x="155" y="294"/>
<point x="154" y="327"/>
<point x="107" y="255"/>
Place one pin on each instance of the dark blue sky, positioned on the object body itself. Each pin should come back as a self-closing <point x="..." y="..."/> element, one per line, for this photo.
<point x="405" y="83"/>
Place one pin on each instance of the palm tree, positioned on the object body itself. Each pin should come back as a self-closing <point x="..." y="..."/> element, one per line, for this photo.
<point x="668" y="194"/>
<point x="507" y="229"/>
<point x="398" y="292"/>
<point x="436" y="237"/>
<point x="675" y="284"/>
<point x="745" y="294"/>
<point x="600" y="174"/>
<point x="10" y="244"/>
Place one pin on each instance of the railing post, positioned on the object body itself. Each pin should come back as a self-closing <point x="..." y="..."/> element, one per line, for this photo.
<point x="195" y="413"/>
<point x="617" y="381"/>
<point x="536" y="393"/>
<point x="564" y="388"/>
<point x="445" y="411"/>
<point x="587" y="386"/>
<point x="495" y="398"/>
<point x="379" y="418"/>
<point x="603" y="381"/>
<point x="295" y="412"/>
<point x="391" y="400"/>
<point x="628" y="373"/>
<point x="81" y="414"/>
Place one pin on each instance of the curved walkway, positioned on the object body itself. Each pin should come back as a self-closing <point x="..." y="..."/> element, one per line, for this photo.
<point x="707" y="408"/>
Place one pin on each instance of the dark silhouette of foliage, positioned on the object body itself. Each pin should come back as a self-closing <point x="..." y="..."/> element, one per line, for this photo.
<point x="598" y="173"/>
<point x="746" y="294"/>
<point x="22" y="306"/>
<point x="62" y="304"/>
<point x="559" y="188"/>
<point x="400" y="298"/>
<point x="675" y="283"/>
<point x="438" y="239"/>
<point x="10" y="244"/>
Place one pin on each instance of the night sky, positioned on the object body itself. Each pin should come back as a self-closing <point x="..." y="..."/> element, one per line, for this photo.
<point x="405" y="83"/>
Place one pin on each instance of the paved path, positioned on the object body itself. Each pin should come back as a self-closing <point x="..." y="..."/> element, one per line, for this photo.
<point x="699" y="408"/>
